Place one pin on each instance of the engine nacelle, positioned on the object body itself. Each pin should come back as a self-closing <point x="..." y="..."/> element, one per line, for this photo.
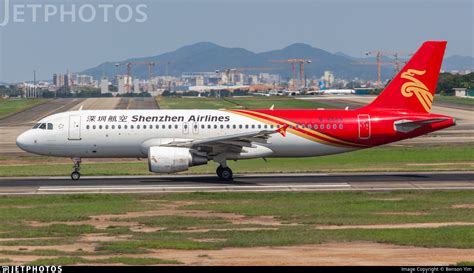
<point x="172" y="159"/>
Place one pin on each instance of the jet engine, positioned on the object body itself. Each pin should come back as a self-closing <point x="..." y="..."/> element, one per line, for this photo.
<point x="173" y="159"/>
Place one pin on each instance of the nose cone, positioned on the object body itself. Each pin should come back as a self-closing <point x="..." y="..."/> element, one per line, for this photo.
<point x="25" y="141"/>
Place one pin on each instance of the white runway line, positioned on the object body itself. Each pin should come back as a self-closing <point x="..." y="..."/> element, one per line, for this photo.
<point x="88" y="188"/>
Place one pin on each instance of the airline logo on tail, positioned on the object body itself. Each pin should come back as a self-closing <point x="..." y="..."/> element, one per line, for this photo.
<point x="415" y="86"/>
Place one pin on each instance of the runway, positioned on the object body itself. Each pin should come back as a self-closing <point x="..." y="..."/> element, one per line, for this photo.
<point x="242" y="183"/>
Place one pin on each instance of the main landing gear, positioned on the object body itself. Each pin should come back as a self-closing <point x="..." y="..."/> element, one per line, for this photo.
<point x="76" y="175"/>
<point x="224" y="173"/>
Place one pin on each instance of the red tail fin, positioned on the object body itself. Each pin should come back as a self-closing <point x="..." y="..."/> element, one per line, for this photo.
<point x="413" y="88"/>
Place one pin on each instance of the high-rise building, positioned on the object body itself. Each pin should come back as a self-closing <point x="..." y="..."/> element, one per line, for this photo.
<point x="328" y="78"/>
<point x="59" y="80"/>
<point x="124" y="83"/>
<point x="104" y="85"/>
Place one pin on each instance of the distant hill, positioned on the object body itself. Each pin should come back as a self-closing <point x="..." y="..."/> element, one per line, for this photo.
<point x="459" y="63"/>
<point x="206" y="56"/>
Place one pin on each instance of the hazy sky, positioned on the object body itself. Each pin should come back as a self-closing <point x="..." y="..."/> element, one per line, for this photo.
<point x="350" y="26"/>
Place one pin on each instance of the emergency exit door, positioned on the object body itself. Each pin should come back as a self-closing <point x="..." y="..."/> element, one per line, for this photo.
<point x="74" y="127"/>
<point x="364" y="126"/>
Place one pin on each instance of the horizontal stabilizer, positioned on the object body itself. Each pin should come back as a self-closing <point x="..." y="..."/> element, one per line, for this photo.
<point x="406" y="126"/>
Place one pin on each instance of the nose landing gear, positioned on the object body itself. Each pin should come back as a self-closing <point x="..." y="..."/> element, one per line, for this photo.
<point x="76" y="175"/>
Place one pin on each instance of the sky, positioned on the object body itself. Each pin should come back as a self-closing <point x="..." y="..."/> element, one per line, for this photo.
<point x="149" y="27"/>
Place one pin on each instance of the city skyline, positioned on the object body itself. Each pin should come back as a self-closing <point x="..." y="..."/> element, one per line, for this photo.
<point x="335" y="26"/>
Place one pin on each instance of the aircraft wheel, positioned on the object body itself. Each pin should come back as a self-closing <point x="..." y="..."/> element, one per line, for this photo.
<point x="225" y="174"/>
<point x="219" y="170"/>
<point x="75" y="176"/>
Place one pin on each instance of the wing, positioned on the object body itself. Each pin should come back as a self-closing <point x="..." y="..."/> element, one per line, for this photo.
<point x="228" y="143"/>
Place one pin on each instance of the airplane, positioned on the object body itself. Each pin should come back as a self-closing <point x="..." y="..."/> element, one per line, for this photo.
<point x="338" y="91"/>
<point x="174" y="140"/>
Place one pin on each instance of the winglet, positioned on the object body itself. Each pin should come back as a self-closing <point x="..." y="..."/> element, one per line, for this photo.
<point x="271" y="107"/>
<point x="282" y="130"/>
<point x="80" y="108"/>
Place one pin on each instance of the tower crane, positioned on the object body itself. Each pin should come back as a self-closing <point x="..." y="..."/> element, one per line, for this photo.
<point x="379" y="63"/>
<point x="293" y="62"/>
<point x="128" y="65"/>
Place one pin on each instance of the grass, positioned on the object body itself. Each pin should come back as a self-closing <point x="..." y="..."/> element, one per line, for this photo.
<point x="465" y="263"/>
<point x="180" y="222"/>
<point x="299" y="212"/>
<point x="11" y="106"/>
<point x="238" y="102"/>
<point x="454" y="100"/>
<point x="113" y="260"/>
<point x="340" y="208"/>
<point x="419" y="158"/>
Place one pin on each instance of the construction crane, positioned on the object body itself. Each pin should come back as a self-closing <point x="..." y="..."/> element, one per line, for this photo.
<point x="379" y="63"/>
<point x="231" y="72"/>
<point x="128" y="65"/>
<point x="293" y="62"/>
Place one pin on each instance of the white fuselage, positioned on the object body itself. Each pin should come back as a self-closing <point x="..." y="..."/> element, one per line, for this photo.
<point x="130" y="133"/>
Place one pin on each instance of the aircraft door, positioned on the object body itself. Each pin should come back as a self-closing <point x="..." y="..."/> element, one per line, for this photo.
<point x="364" y="126"/>
<point x="195" y="128"/>
<point x="74" y="128"/>
<point x="185" y="128"/>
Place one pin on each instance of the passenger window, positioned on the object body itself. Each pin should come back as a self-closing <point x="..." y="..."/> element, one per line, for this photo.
<point x="310" y="126"/>
<point x="209" y="126"/>
<point x="215" y="126"/>
<point x="240" y="126"/>
<point x="131" y="126"/>
<point x="341" y="126"/>
<point x="271" y="126"/>
<point x="100" y="127"/>
<point x="222" y="126"/>
<point x="202" y="126"/>
<point x="157" y="126"/>
<point x="163" y="126"/>
<point x="291" y="126"/>
<point x="228" y="126"/>
<point x="170" y="127"/>
<point x="234" y="126"/>
<point x="185" y="126"/>
<point x="328" y="126"/>
<point x="93" y="127"/>
<point x="334" y="126"/>
<point x="125" y="127"/>
<point x="138" y="126"/>
<point x="144" y="126"/>
<point x="113" y="127"/>
<point x="246" y="126"/>
<point x="87" y="127"/>
<point x="259" y="126"/>
<point x="176" y="126"/>
<point x="119" y="127"/>
<point x="315" y="126"/>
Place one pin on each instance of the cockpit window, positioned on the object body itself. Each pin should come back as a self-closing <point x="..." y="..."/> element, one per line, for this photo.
<point x="50" y="126"/>
<point x="43" y="126"/>
<point x="36" y="125"/>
